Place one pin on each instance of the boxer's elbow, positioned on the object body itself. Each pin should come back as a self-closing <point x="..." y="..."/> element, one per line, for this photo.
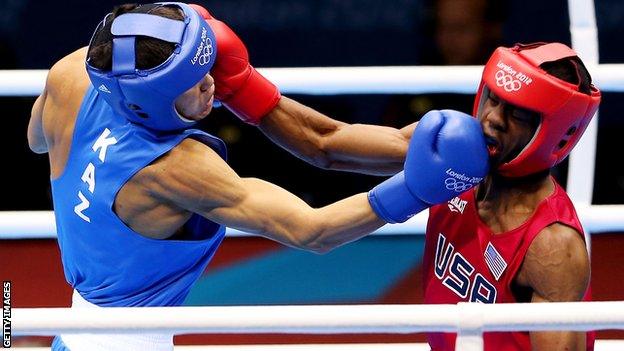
<point x="301" y="227"/>
<point x="318" y="246"/>
<point x="37" y="145"/>
<point x="35" y="134"/>
<point x="312" y="238"/>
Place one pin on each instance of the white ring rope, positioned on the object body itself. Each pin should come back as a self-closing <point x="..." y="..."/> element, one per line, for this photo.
<point x="348" y="80"/>
<point x="298" y="347"/>
<point x="600" y="345"/>
<point x="584" y="35"/>
<point x="41" y="224"/>
<point x="323" y="319"/>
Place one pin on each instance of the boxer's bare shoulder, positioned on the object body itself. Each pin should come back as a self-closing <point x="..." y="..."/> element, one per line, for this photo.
<point x="68" y="77"/>
<point x="59" y="105"/>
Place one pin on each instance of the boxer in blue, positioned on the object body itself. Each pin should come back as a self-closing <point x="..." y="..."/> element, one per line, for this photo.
<point x="141" y="198"/>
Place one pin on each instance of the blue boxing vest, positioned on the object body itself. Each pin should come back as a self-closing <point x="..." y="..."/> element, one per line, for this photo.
<point x="108" y="263"/>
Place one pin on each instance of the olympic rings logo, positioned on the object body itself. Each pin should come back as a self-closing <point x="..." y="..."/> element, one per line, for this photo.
<point x="204" y="50"/>
<point x="204" y="58"/>
<point x="457" y="186"/>
<point x="507" y="82"/>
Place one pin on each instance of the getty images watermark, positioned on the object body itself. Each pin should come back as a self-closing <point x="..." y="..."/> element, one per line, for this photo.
<point x="6" y="314"/>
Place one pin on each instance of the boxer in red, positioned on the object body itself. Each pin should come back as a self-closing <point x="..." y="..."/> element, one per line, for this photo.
<point x="516" y="237"/>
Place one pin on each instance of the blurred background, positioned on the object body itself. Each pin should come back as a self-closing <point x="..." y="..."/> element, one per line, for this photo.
<point x="302" y="33"/>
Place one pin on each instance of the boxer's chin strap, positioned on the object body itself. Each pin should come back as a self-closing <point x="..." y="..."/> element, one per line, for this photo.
<point x="185" y="120"/>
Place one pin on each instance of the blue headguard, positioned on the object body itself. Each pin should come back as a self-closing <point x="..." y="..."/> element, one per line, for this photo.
<point x="147" y="97"/>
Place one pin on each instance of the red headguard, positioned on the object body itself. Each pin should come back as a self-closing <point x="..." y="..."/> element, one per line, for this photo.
<point x="513" y="74"/>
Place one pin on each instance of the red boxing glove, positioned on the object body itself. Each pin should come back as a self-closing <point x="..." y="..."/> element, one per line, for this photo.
<point x="238" y="85"/>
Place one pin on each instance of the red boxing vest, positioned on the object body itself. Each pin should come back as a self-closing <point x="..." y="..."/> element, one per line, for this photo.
<point x="465" y="261"/>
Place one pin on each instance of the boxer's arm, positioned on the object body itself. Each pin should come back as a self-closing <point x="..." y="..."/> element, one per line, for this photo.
<point x="331" y="144"/>
<point x="270" y="211"/>
<point x="36" y="137"/>
<point x="302" y="131"/>
<point x="195" y="178"/>
<point x="557" y="268"/>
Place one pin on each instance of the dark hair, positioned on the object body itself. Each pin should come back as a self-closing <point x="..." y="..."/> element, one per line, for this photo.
<point x="571" y="70"/>
<point x="149" y="52"/>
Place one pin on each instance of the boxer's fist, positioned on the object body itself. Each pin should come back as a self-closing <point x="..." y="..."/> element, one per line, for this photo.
<point x="238" y="85"/>
<point x="447" y="155"/>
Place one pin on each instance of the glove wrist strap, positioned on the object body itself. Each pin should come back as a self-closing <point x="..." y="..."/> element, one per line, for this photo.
<point x="392" y="200"/>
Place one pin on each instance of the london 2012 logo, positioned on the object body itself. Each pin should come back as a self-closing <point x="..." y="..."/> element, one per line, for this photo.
<point x="459" y="182"/>
<point x="509" y="78"/>
<point x="456" y="185"/>
<point x="507" y="82"/>
<point x="204" y="51"/>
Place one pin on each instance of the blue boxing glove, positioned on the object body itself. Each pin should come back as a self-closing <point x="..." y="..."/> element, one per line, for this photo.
<point x="447" y="156"/>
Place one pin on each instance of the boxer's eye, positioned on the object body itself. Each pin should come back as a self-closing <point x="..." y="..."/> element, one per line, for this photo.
<point x="494" y="100"/>
<point x="523" y="116"/>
